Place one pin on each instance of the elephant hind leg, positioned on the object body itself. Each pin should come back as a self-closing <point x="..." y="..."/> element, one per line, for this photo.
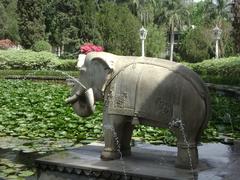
<point x="187" y="156"/>
<point x="126" y="138"/>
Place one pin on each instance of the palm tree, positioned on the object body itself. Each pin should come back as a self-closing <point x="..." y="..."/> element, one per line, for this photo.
<point x="144" y="9"/>
<point x="217" y="10"/>
<point x="175" y="15"/>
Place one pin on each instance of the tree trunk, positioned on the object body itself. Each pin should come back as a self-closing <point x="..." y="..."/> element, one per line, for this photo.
<point x="62" y="50"/>
<point x="171" y="45"/>
<point x="236" y="24"/>
<point x="58" y="51"/>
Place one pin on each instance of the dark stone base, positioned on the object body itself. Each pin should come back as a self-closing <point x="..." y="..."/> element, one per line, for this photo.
<point x="217" y="161"/>
<point x="236" y="144"/>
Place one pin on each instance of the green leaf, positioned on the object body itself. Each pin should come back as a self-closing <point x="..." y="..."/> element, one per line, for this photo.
<point x="26" y="173"/>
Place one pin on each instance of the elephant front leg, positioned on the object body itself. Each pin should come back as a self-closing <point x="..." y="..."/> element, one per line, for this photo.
<point x="113" y="133"/>
<point x="126" y="138"/>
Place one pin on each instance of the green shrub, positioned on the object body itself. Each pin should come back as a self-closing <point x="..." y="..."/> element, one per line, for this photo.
<point x="26" y="73"/>
<point x="194" y="46"/>
<point x="42" y="46"/>
<point x="69" y="65"/>
<point x="27" y="60"/>
<point x="221" y="71"/>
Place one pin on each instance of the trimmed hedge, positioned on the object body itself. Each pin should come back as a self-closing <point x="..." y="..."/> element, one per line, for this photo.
<point x="28" y="60"/>
<point x="221" y="71"/>
<point x="36" y="73"/>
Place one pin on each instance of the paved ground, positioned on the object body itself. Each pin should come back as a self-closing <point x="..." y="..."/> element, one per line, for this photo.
<point x="217" y="162"/>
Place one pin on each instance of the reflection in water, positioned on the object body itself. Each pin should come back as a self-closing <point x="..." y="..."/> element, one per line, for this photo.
<point x="19" y="157"/>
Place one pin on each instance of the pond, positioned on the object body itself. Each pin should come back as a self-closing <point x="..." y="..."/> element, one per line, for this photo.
<point x="34" y="118"/>
<point x="17" y="155"/>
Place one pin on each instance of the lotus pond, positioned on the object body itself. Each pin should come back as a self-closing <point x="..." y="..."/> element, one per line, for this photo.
<point x="35" y="120"/>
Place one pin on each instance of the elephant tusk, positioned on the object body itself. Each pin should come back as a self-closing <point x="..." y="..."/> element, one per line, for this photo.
<point x="72" y="99"/>
<point x="90" y="99"/>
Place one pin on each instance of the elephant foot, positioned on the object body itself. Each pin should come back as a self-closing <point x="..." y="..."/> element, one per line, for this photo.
<point x="126" y="152"/>
<point x="187" y="158"/>
<point x="110" y="155"/>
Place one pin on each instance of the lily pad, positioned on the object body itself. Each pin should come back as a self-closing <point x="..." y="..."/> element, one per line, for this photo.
<point x="8" y="171"/>
<point x="26" y="173"/>
<point x="13" y="177"/>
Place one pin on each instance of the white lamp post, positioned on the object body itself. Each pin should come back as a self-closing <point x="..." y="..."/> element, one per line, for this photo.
<point x="217" y="36"/>
<point x="143" y="35"/>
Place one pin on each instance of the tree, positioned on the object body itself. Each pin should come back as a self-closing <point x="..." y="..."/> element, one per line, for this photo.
<point x="71" y="23"/>
<point x="236" y="25"/>
<point x="175" y="15"/>
<point x="156" y="41"/>
<point x="217" y="11"/>
<point x="3" y="18"/>
<point x="88" y="23"/>
<point x="31" y="21"/>
<point x="61" y="23"/>
<point x="119" y="29"/>
<point x="194" y="46"/>
<point x="143" y="9"/>
<point x="8" y="20"/>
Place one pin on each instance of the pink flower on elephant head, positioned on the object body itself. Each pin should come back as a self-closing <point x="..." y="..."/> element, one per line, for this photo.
<point x="89" y="47"/>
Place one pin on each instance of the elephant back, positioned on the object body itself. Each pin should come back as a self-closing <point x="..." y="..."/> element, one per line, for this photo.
<point x="149" y="88"/>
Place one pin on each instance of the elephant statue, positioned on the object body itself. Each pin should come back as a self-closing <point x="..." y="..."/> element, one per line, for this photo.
<point x="142" y="90"/>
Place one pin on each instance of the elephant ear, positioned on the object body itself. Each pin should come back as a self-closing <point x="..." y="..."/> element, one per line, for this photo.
<point x="106" y="59"/>
<point x="101" y="66"/>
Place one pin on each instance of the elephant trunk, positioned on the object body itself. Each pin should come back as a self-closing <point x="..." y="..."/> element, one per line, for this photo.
<point x="82" y="101"/>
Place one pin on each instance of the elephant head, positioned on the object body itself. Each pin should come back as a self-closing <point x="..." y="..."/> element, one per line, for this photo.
<point x="95" y="71"/>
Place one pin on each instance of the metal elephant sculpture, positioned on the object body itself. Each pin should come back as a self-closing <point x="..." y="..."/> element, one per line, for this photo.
<point x="141" y="90"/>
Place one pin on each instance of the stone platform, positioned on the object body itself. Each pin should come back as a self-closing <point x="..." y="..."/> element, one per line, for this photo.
<point x="217" y="162"/>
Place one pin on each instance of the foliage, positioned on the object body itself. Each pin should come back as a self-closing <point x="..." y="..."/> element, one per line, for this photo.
<point x="156" y="41"/>
<point x="226" y="114"/>
<point x="144" y="10"/>
<point x="194" y="46"/>
<point x="236" y="25"/>
<point x="41" y="46"/>
<point x="175" y="16"/>
<point x="37" y="111"/>
<point x="119" y="29"/>
<point x="205" y="15"/>
<point x="11" y="170"/>
<point x="26" y="59"/>
<point x="221" y="71"/>
<point x="8" y="20"/>
<point x="70" y="23"/>
<point x="198" y="16"/>
<point x="217" y="10"/>
<point x="35" y="145"/>
<point x="61" y="22"/>
<point x="31" y="21"/>
<point x="88" y="22"/>
<point x="37" y="73"/>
